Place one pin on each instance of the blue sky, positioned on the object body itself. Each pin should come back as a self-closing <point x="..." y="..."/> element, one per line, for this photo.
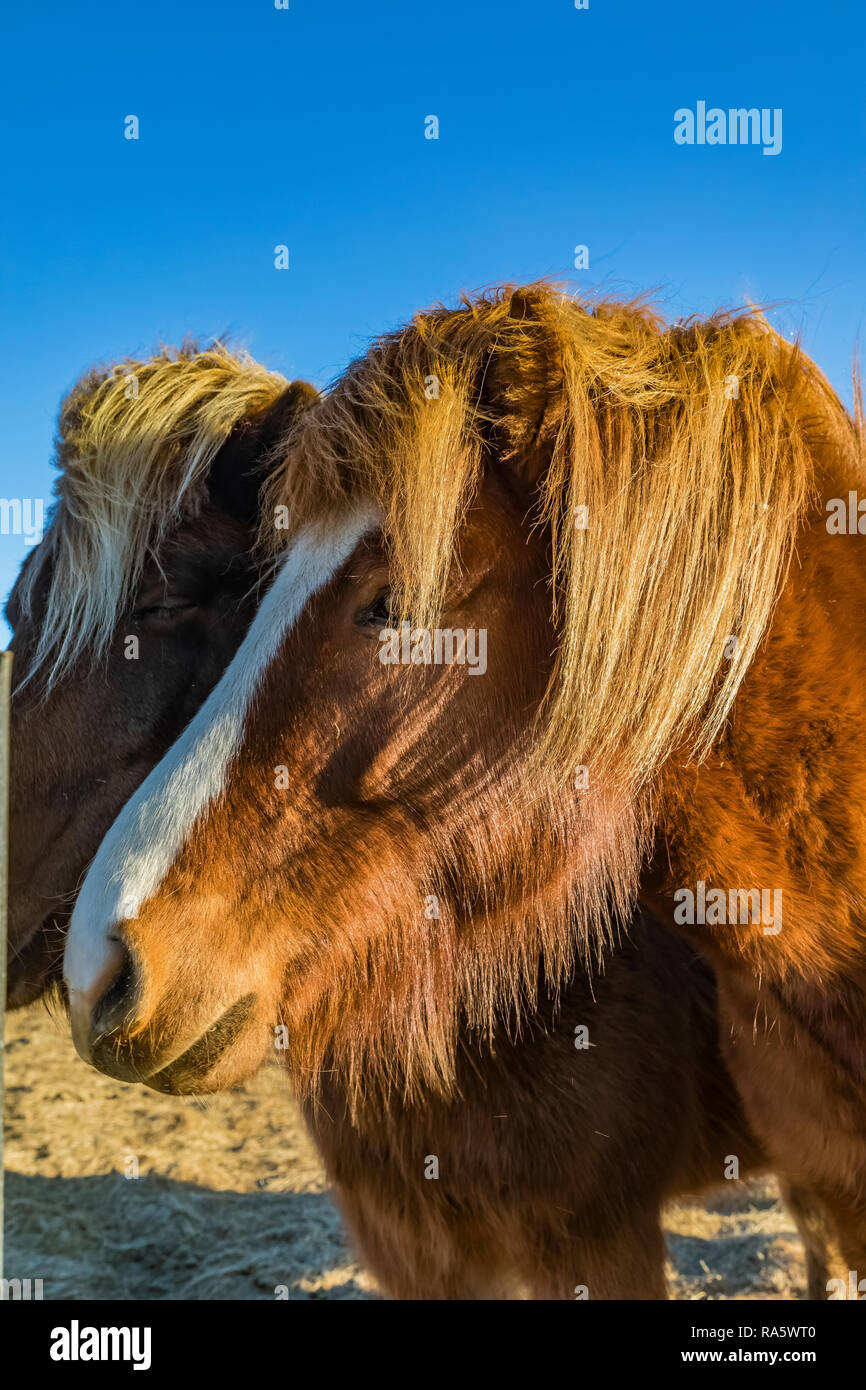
<point x="305" y="127"/>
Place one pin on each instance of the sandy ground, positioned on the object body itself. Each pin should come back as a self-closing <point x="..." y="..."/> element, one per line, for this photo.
<point x="230" y="1200"/>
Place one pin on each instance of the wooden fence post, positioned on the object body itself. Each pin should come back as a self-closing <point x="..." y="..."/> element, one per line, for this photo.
<point x="5" y="697"/>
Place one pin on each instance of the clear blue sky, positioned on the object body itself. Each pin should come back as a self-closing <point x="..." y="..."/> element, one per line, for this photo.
<point x="306" y="127"/>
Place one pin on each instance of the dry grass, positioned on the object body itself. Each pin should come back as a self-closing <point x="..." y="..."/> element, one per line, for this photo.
<point x="231" y="1201"/>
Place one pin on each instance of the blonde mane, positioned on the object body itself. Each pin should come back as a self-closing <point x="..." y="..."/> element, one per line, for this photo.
<point x="692" y="448"/>
<point x="135" y="442"/>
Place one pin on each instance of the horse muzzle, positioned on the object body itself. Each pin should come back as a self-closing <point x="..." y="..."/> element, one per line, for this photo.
<point x="115" y="1034"/>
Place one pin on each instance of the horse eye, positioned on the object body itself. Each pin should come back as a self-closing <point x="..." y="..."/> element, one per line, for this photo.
<point x="377" y="614"/>
<point x="166" y="611"/>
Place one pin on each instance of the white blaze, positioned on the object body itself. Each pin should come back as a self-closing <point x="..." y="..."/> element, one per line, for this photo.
<point x="156" y="822"/>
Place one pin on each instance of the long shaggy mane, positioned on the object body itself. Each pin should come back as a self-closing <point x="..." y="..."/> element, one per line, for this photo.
<point x="692" y="447"/>
<point x="135" y="442"/>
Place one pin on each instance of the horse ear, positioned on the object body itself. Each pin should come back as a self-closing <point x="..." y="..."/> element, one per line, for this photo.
<point x="525" y="304"/>
<point x="521" y="391"/>
<point x="241" y="467"/>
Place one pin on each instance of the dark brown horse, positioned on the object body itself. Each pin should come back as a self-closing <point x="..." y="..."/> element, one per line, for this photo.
<point x="357" y="851"/>
<point x="129" y="610"/>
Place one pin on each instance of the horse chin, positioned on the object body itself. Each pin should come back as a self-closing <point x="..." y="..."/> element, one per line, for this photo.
<point x="226" y="1076"/>
<point x="228" y="1053"/>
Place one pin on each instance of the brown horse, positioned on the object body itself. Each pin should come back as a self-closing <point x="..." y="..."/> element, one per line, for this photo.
<point x="129" y="610"/>
<point x="356" y="842"/>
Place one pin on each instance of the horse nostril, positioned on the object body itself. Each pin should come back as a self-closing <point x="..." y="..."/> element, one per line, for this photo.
<point x="117" y="1003"/>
